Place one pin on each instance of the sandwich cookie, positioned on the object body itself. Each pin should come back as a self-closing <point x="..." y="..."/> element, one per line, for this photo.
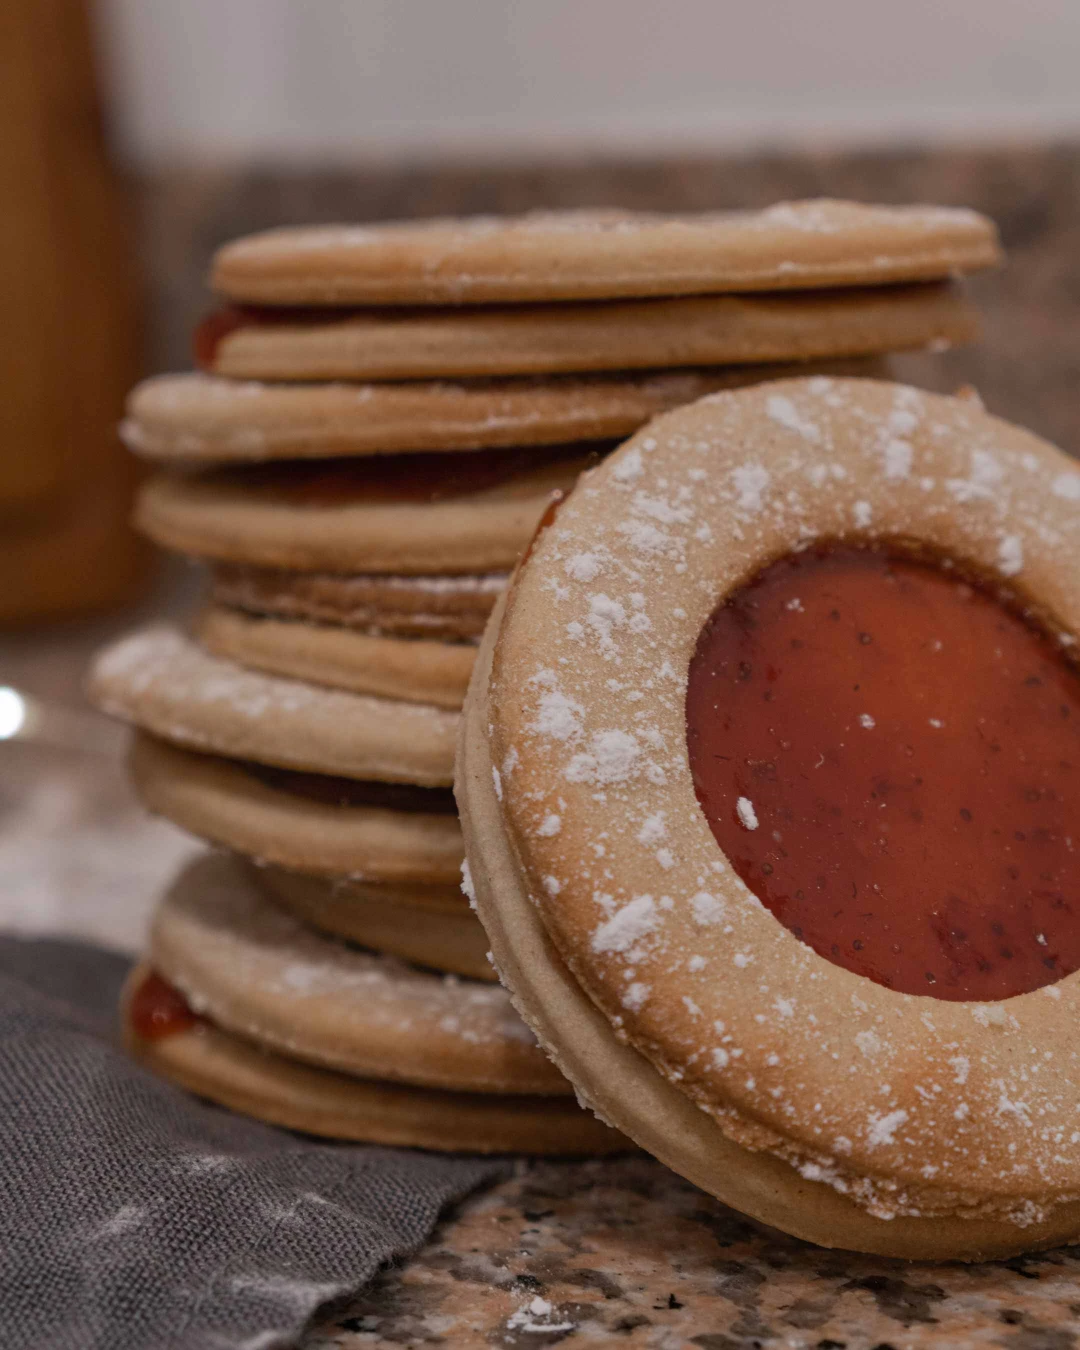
<point x="163" y="1032"/>
<point x="423" y="514"/>
<point x="445" y="936"/>
<point x="251" y="343"/>
<point x="414" y="670"/>
<point x="159" y="679"/>
<point x="604" y="254"/>
<point x="336" y="828"/>
<point x="201" y="419"/>
<point x="769" y="787"/>
<point x="255" y="971"/>
<point x="446" y="608"/>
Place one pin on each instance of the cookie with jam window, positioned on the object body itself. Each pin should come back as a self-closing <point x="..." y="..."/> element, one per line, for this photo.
<point x="770" y="779"/>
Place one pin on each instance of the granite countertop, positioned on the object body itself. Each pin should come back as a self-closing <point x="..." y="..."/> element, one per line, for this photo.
<point x="619" y="1252"/>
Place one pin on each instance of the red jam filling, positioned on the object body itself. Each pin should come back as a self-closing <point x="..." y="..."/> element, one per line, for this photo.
<point x="158" y="1009"/>
<point x="890" y="759"/>
<point x="425" y="477"/>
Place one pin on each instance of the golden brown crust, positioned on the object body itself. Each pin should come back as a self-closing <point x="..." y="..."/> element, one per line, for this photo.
<point x="160" y="680"/>
<point x="231" y="520"/>
<point x="834" y="1075"/>
<point x="445" y="608"/>
<point x="380" y="917"/>
<point x="202" y="419"/>
<point x="412" y="669"/>
<point x="577" y="255"/>
<point x="218" y="800"/>
<point x="613" y="335"/>
<point x="255" y="970"/>
<point x="240" y="1076"/>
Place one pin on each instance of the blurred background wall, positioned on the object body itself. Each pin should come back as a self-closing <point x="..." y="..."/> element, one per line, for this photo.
<point x="285" y="78"/>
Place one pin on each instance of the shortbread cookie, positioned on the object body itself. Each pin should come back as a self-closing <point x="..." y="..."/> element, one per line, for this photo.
<point x="415" y="670"/>
<point x="445" y="608"/>
<point x="257" y="972"/>
<point x="601" y="254"/>
<point x="380" y="917"/>
<point x="777" y="871"/>
<point x="201" y="419"/>
<point x="328" y="827"/>
<point x="345" y="518"/>
<point x="165" y="1036"/>
<point x="161" y="680"/>
<point x="712" y="330"/>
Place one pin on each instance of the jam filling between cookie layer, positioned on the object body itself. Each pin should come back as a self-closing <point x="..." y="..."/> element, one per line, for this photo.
<point x="426" y="477"/>
<point x="889" y="756"/>
<point x="158" y="1009"/>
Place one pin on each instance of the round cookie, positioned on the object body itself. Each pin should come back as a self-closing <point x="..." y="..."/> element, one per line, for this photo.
<point x="414" y="670"/>
<point x="334" y="828"/>
<point x="256" y="1082"/>
<point x="603" y="254"/>
<point x="444" y="608"/>
<point x="162" y="681"/>
<point x="810" y="1097"/>
<point x="712" y="330"/>
<point x="257" y="972"/>
<point x="289" y="516"/>
<point x="382" y="918"/>
<point x="201" y="419"/>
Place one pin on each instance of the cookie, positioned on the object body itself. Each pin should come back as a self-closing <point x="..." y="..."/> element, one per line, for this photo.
<point x="604" y="254"/>
<point x="414" y="670"/>
<point x="344" y="519"/>
<point x="445" y="608"/>
<point x="226" y="1069"/>
<point x="380" y="917"/>
<point x="327" y="827"/>
<point x="709" y="330"/>
<point x="863" y="1070"/>
<point x="255" y="971"/>
<point x="201" y="419"/>
<point x="159" y="679"/>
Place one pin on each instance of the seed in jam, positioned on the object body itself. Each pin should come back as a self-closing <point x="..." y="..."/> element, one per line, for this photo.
<point x="908" y="750"/>
<point x="158" y="1009"/>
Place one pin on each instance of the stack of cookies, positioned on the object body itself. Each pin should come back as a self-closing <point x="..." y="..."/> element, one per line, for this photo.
<point x="382" y="418"/>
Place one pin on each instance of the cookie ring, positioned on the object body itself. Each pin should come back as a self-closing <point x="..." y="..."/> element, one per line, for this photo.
<point x="885" y="1175"/>
<point x="414" y="670"/>
<point x="256" y="971"/>
<point x="160" y="680"/>
<point x="380" y="917"/>
<point x="578" y="255"/>
<point x="235" y="806"/>
<point x="204" y="420"/>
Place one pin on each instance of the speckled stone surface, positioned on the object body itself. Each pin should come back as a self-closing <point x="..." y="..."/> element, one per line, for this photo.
<point x="621" y="1252"/>
<point x="625" y="1253"/>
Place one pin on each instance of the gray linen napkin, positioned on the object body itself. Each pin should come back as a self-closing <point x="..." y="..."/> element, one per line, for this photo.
<point x="133" y="1217"/>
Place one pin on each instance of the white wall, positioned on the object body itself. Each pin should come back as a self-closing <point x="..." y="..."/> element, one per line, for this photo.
<point x="340" y="77"/>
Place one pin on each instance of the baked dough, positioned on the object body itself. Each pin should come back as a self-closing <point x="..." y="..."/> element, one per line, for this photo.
<point x="381" y="917"/>
<point x="243" y="1077"/>
<point x="268" y="817"/>
<point x="809" y="1097"/>
<point x="598" y="254"/>
<point x="711" y="330"/>
<point x="160" y="680"/>
<point x="256" y="971"/>
<point x="414" y="670"/>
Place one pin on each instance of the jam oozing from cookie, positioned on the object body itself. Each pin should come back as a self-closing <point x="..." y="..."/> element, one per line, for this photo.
<point x="158" y="1009"/>
<point x="890" y="758"/>
<point x="426" y="477"/>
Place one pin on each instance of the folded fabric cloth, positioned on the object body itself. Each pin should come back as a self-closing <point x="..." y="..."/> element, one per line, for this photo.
<point x="137" y="1218"/>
